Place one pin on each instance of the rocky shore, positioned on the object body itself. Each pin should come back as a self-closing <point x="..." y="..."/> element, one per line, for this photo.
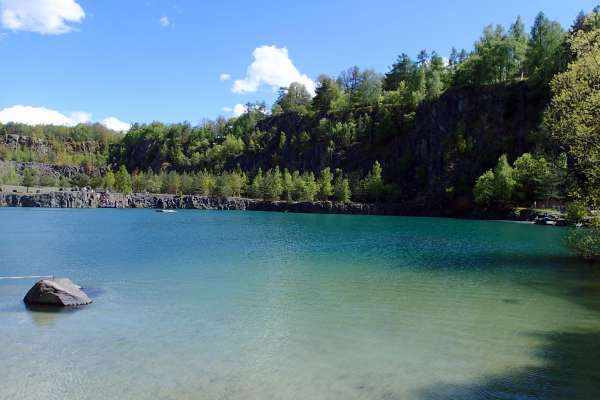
<point x="89" y="199"/>
<point x="83" y="199"/>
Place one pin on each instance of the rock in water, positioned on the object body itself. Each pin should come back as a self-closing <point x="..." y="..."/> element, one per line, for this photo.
<point x="56" y="292"/>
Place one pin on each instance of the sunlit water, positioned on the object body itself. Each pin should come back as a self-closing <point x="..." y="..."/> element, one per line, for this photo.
<point x="241" y="305"/>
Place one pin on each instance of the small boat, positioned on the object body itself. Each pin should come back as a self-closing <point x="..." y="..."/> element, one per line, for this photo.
<point x="163" y="210"/>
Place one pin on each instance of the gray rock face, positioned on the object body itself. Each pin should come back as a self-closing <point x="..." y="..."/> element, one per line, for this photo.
<point x="56" y="292"/>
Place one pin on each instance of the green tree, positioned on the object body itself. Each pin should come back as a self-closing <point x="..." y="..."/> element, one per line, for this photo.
<point x="495" y="186"/>
<point x="519" y="43"/>
<point x="29" y="178"/>
<point x="573" y="116"/>
<point x="327" y="94"/>
<point x="153" y="182"/>
<point x="47" y="180"/>
<point x="402" y="70"/>
<point x="109" y="180"/>
<point x="299" y="186"/>
<point x="186" y="183"/>
<point x="204" y="183"/>
<point x="484" y="189"/>
<point x="8" y="175"/>
<point x="294" y="98"/>
<point x="543" y="57"/>
<point x="256" y="188"/>
<point x="375" y="185"/>
<point x="80" y="180"/>
<point x="288" y="185"/>
<point x="170" y="182"/>
<point x="325" y="184"/>
<point x="123" y="180"/>
<point x="504" y="182"/>
<point x="223" y="186"/>
<point x="272" y="184"/>
<point x="311" y="187"/>
<point x="138" y="182"/>
<point x="341" y="188"/>
<point x="532" y="176"/>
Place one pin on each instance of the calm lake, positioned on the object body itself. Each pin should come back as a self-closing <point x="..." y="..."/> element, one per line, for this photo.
<point x="243" y="305"/>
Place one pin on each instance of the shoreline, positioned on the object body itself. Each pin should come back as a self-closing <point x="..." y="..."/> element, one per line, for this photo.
<point x="88" y="199"/>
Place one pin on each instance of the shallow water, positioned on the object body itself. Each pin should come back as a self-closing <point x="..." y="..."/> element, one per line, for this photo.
<point x="242" y="305"/>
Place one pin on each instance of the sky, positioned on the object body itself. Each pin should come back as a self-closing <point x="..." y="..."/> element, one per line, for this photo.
<point x="119" y="62"/>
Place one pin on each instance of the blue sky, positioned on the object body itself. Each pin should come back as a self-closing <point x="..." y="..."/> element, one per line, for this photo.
<point x="139" y="61"/>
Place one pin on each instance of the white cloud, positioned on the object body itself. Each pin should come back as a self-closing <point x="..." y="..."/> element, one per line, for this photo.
<point x="115" y="124"/>
<point x="35" y="116"/>
<point x="224" y="77"/>
<point x="80" y="117"/>
<point x="164" y="22"/>
<point x="44" y="116"/>
<point x="271" y="66"/>
<point x="42" y="16"/>
<point x="238" y="110"/>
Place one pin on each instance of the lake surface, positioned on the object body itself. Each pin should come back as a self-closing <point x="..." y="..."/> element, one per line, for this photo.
<point x="242" y="305"/>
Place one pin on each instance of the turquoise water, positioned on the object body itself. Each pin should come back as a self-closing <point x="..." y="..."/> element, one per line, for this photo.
<point x="242" y="305"/>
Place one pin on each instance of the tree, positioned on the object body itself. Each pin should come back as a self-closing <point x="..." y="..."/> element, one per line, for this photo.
<point x="504" y="182"/>
<point x="109" y="180"/>
<point x="153" y="182"/>
<point x="29" y="178"/>
<point x="325" y="184"/>
<point x="519" y="42"/>
<point x="170" y="182"/>
<point x="311" y="187"/>
<point x="401" y="71"/>
<point x="138" y="182"/>
<point x="495" y="186"/>
<point x="543" y="58"/>
<point x="272" y="184"/>
<point x="288" y="185"/>
<point x="497" y="57"/>
<point x="532" y="177"/>
<point x="573" y="116"/>
<point x="294" y="98"/>
<point x="299" y="186"/>
<point x="326" y="94"/>
<point x="363" y="87"/>
<point x="222" y="186"/>
<point x="80" y="180"/>
<point x="375" y="184"/>
<point x="434" y="77"/>
<point x="484" y="189"/>
<point x="123" y="180"/>
<point x="256" y="188"/>
<point x="341" y="188"/>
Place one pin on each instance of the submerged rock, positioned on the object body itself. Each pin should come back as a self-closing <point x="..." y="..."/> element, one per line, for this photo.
<point x="56" y="292"/>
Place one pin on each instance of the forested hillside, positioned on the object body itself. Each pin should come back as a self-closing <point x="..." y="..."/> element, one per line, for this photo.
<point x="426" y="131"/>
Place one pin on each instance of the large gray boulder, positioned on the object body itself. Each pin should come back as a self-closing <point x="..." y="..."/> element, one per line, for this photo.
<point x="56" y="292"/>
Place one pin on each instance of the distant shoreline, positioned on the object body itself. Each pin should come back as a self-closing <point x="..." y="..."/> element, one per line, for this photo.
<point x="89" y="199"/>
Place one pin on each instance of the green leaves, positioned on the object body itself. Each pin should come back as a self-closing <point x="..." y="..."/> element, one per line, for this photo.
<point x="573" y="117"/>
